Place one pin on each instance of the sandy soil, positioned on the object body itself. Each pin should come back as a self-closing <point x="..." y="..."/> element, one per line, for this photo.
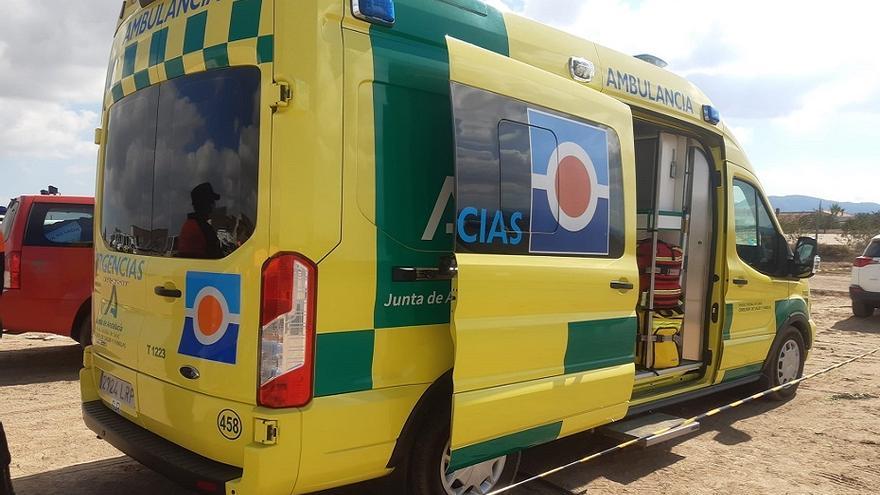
<point x="825" y="441"/>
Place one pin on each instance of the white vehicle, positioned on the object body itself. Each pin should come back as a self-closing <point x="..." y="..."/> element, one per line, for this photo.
<point x="865" y="288"/>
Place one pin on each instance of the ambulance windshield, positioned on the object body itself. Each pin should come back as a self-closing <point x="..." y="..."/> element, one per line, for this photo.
<point x="180" y="171"/>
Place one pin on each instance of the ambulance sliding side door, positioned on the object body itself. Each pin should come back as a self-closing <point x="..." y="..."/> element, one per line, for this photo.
<point x="544" y="322"/>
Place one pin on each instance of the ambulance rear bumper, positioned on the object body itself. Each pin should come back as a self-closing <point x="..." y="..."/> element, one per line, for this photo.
<point x="180" y="465"/>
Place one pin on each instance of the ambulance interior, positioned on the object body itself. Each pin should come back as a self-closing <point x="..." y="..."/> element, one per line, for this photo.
<point x="675" y="225"/>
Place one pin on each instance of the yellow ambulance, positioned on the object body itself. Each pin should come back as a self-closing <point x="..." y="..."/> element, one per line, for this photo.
<point x="341" y="239"/>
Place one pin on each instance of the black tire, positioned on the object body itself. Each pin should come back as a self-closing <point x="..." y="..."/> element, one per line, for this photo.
<point x="862" y="310"/>
<point x="772" y="372"/>
<point x="423" y="466"/>
<point x="83" y="333"/>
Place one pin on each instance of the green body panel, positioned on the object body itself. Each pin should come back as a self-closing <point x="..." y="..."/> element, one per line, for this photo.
<point x="508" y="444"/>
<point x="600" y="344"/>
<point x="736" y="373"/>
<point x="344" y="362"/>
<point x="728" y="321"/>
<point x="785" y="308"/>
<point x="413" y="125"/>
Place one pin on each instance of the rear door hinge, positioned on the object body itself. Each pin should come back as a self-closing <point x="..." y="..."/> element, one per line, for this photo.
<point x="283" y="94"/>
<point x="266" y="431"/>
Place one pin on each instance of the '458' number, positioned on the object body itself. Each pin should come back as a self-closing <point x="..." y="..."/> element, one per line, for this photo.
<point x="229" y="424"/>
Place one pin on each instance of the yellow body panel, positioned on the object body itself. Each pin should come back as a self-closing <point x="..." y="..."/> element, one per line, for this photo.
<point x="753" y="326"/>
<point x="513" y="314"/>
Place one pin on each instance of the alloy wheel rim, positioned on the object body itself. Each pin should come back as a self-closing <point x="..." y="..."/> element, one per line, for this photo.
<point x="788" y="363"/>
<point x="478" y="479"/>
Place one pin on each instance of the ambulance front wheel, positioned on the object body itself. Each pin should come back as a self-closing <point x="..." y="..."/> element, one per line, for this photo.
<point x="429" y="463"/>
<point x="785" y="363"/>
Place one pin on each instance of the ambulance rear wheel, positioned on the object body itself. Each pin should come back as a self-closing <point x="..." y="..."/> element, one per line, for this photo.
<point x="786" y="363"/>
<point x="83" y="333"/>
<point x="429" y="463"/>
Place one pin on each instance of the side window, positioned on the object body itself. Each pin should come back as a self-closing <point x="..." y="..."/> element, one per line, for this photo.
<point x="59" y="225"/>
<point x="757" y="241"/>
<point x="533" y="181"/>
<point x="873" y="250"/>
<point x="6" y="226"/>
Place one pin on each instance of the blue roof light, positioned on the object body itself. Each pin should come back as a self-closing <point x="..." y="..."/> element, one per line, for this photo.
<point x="376" y="11"/>
<point x="711" y="114"/>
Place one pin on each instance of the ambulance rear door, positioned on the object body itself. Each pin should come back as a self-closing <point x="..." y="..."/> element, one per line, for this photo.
<point x="544" y="322"/>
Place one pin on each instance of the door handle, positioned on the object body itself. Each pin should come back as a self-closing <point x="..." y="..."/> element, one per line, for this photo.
<point x="621" y="285"/>
<point x="166" y="292"/>
<point x="740" y="282"/>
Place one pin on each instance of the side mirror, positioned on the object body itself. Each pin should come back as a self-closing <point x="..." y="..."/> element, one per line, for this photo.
<point x="806" y="258"/>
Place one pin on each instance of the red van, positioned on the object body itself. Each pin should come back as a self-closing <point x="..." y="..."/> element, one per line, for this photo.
<point x="48" y="264"/>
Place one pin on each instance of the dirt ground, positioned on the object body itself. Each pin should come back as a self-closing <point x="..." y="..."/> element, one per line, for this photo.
<point x="824" y="441"/>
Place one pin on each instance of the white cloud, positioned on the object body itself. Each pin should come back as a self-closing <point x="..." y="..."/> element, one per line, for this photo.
<point x="798" y="82"/>
<point x="823" y="180"/>
<point x="45" y="130"/>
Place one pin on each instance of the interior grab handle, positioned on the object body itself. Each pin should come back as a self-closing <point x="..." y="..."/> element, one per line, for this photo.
<point x="621" y="285"/>
<point x="166" y="292"/>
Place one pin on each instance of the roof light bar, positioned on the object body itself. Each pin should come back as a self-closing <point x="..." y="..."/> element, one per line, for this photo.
<point x="711" y="114"/>
<point x="379" y="12"/>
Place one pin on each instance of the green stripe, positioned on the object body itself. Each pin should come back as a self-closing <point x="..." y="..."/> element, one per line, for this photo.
<point x="245" y="21"/>
<point x="598" y="344"/>
<point x="344" y="362"/>
<point x="735" y="373"/>
<point x="142" y="79"/>
<point x="414" y="146"/>
<point x="787" y="307"/>
<point x="157" y="47"/>
<point x="194" y="38"/>
<point x="174" y="68"/>
<point x="508" y="444"/>
<point x="265" y="49"/>
<point x="728" y="321"/>
<point x="216" y="57"/>
<point x="128" y="59"/>
<point x="117" y="92"/>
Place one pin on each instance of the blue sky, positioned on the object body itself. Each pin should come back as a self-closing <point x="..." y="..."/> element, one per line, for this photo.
<point x="798" y="82"/>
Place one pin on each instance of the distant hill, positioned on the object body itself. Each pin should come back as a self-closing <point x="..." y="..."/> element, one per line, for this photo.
<point x="810" y="203"/>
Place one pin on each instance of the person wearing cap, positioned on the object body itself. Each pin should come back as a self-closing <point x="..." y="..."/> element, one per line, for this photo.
<point x="198" y="239"/>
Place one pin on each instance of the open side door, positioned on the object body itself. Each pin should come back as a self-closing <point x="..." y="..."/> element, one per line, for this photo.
<point x="544" y="321"/>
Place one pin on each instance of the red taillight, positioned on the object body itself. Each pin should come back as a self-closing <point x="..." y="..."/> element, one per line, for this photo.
<point x="287" y="337"/>
<point x="865" y="261"/>
<point x="204" y="486"/>
<point x="12" y="273"/>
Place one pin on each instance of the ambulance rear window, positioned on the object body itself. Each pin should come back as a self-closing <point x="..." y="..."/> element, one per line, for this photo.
<point x="180" y="174"/>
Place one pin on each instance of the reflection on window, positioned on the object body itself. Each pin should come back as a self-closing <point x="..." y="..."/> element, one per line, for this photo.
<point x="757" y="241"/>
<point x="59" y="225"/>
<point x="533" y="181"/>
<point x="192" y="143"/>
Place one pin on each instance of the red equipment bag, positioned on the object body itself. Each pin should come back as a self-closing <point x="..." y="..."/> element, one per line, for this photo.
<point x="667" y="275"/>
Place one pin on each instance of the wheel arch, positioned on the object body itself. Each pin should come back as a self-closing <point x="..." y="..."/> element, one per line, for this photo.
<point x="800" y="322"/>
<point x="84" y="311"/>
<point x="436" y="400"/>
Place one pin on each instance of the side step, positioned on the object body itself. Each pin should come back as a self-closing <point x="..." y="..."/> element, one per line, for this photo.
<point x="644" y="427"/>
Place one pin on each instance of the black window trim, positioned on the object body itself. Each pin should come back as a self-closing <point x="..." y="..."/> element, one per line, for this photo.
<point x="760" y="196"/>
<point x="99" y="230"/>
<point x="34" y="210"/>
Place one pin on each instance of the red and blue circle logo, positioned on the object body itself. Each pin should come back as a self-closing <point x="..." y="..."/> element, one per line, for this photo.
<point x="210" y="328"/>
<point x="570" y="192"/>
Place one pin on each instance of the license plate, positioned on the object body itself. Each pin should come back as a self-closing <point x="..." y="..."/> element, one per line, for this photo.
<point x="118" y="391"/>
